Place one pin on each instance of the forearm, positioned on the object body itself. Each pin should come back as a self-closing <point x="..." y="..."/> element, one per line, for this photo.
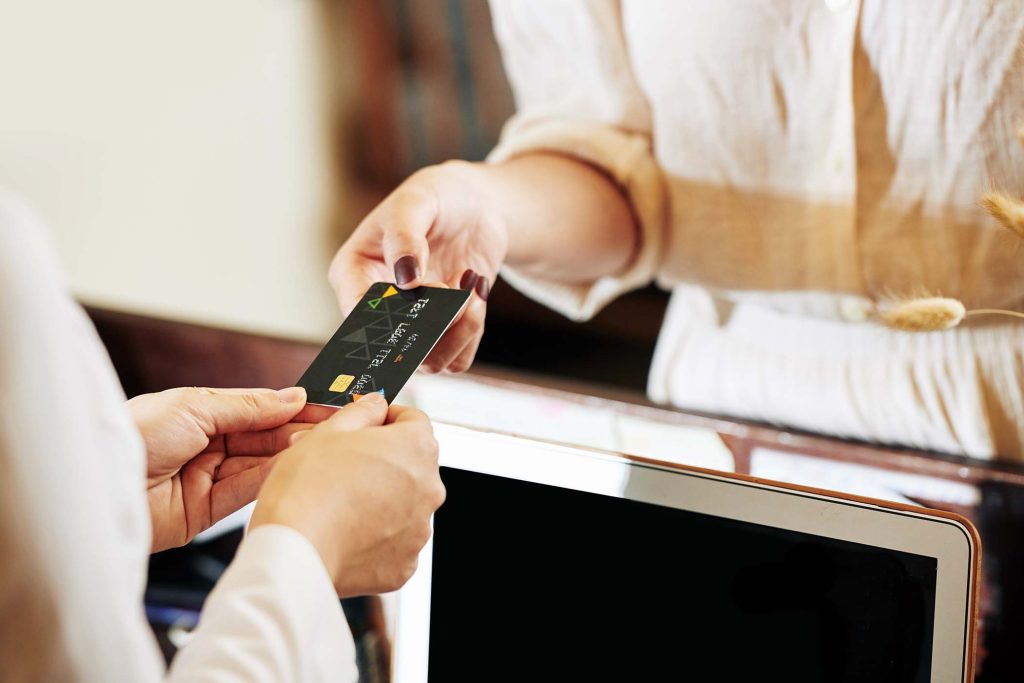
<point x="565" y="219"/>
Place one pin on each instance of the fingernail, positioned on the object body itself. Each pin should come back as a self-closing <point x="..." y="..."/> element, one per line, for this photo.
<point x="483" y="288"/>
<point x="292" y="395"/>
<point x="468" y="280"/>
<point x="407" y="269"/>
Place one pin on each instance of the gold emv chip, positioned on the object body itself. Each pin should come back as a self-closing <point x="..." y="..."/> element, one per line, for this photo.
<point x="341" y="383"/>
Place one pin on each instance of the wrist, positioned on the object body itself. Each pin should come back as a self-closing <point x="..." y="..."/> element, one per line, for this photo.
<point x="516" y="191"/>
<point x="487" y="203"/>
<point x="307" y="526"/>
<point x="566" y="217"/>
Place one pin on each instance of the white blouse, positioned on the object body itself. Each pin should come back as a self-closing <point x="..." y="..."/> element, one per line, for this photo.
<point x="73" y="468"/>
<point x="788" y="162"/>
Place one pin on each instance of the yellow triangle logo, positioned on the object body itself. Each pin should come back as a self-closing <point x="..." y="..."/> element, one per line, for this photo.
<point x="391" y="291"/>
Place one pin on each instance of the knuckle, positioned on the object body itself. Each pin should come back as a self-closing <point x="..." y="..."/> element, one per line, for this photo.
<point x="418" y="188"/>
<point x="453" y="166"/>
<point x="440" y="495"/>
<point x="180" y="393"/>
<point x="421" y="437"/>
<point x="407" y="571"/>
<point x="184" y="397"/>
<point x="423" y="536"/>
<point x="460" y="364"/>
<point x="396" y="238"/>
<point x="394" y="578"/>
<point x="253" y="401"/>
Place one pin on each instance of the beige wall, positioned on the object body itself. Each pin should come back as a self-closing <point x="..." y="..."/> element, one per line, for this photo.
<point x="177" y="151"/>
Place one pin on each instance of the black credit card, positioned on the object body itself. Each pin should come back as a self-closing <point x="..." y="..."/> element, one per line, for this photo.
<point x="381" y="343"/>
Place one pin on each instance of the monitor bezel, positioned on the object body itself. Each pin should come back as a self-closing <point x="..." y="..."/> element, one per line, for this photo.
<point x="949" y="538"/>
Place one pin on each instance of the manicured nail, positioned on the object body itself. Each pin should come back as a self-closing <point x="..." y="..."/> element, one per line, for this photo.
<point x="292" y="395"/>
<point x="468" y="280"/>
<point x="483" y="288"/>
<point x="407" y="269"/>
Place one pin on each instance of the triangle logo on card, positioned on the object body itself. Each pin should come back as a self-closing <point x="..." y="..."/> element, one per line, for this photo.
<point x="374" y="303"/>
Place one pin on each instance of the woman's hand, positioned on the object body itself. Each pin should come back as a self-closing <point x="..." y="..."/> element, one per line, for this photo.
<point x="547" y="215"/>
<point x="438" y="226"/>
<point x="208" y="452"/>
<point x="361" y="486"/>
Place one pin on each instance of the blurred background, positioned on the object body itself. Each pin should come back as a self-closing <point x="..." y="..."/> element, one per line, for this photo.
<point x="203" y="161"/>
<point x="178" y="152"/>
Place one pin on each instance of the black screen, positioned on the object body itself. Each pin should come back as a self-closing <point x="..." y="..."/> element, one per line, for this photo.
<point x="599" y="588"/>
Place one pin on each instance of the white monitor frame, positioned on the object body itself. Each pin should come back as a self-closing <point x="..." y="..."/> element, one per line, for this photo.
<point x="947" y="537"/>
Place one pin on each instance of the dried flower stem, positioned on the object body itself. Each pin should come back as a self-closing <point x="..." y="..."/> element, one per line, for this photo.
<point x="995" y="311"/>
<point x="930" y="314"/>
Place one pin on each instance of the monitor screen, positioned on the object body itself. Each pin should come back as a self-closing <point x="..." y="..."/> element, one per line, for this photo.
<point x="533" y="583"/>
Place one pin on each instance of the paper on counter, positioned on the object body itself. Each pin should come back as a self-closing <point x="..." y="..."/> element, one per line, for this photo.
<point x="469" y="403"/>
<point x="680" y="444"/>
<point x="860" y="480"/>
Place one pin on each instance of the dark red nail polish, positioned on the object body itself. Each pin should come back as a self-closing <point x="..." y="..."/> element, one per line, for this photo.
<point x="407" y="269"/>
<point x="468" y="280"/>
<point x="483" y="288"/>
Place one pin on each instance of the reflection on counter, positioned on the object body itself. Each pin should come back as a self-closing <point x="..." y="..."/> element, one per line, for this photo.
<point x="600" y="424"/>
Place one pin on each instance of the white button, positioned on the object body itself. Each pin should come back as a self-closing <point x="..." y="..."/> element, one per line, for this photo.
<point x="855" y="309"/>
<point x="837" y="5"/>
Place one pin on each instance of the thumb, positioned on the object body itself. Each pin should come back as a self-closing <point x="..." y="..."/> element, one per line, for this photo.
<point x="369" y="411"/>
<point x="228" y="411"/>
<point x="404" y="228"/>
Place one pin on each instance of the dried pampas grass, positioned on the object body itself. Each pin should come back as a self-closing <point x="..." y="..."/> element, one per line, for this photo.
<point x="936" y="313"/>
<point x="928" y="314"/>
<point x="1005" y="209"/>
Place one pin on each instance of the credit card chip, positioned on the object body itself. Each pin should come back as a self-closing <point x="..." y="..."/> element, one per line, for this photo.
<point x="341" y="383"/>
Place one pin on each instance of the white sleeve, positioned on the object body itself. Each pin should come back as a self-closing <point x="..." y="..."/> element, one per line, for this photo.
<point x="74" y="462"/>
<point x="75" y="528"/>
<point x="273" y="618"/>
<point x="576" y="94"/>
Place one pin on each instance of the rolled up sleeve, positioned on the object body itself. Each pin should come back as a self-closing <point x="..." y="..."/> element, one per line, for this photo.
<point x="576" y="95"/>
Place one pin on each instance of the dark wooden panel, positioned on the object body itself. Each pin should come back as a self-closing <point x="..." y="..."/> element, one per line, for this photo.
<point x="152" y="354"/>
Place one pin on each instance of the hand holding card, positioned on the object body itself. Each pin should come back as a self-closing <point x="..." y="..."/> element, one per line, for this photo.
<point x="381" y="343"/>
<point x="443" y="224"/>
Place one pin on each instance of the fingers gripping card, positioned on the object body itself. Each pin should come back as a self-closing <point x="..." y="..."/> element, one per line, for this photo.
<point x="381" y="343"/>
